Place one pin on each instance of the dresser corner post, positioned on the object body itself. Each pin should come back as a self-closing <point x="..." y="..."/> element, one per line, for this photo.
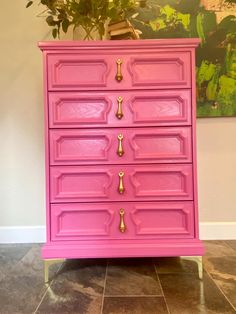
<point x="47" y="264"/>
<point x="198" y="260"/>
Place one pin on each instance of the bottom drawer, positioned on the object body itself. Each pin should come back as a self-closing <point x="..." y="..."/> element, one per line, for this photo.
<point x="87" y="221"/>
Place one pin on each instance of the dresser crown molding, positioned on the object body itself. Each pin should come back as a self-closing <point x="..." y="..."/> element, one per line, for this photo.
<point x="121" y="44"/>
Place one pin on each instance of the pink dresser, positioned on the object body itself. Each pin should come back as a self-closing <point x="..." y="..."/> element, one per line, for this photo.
<point x="120" y="149"/>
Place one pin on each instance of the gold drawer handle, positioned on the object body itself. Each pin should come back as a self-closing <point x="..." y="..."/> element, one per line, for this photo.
<point x="119" y="75"/>
<point x="121" y="188"/>
<point x="119" y="113"/>
<point x="120" y="151"/>
<point x="122" y="226"/>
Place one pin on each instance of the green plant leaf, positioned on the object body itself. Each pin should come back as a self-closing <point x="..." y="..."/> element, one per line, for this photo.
<point x="65" y="24"/>
<point x="200" y="29"/>
<point x="50" y="21"/>
<point x="54" y="32"/>
<point x="29" y="4"/>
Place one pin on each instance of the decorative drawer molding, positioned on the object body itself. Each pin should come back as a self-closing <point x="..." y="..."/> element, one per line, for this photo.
<point x="139" y="108"/>
<point x="162" y="70"/>
<point x="165" y="220"/>
<point x="79" y="71"/>
<point x="73" y="71"/>
<point x="150" y="182"/>
<point x="138" y="145"/>
<point x="72" y="222"/>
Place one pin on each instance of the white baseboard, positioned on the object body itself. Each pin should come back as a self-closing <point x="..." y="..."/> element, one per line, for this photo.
<point x="37" y="234"/>
<point x="218" y="230"/>
<point x="23" y="234"/>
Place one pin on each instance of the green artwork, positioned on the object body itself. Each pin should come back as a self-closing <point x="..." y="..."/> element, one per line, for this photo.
<point x="216" y="56"/>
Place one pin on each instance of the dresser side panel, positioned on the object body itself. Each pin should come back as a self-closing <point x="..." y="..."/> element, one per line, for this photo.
<point x="46" y="143"/>
<point x="194" y="143"/>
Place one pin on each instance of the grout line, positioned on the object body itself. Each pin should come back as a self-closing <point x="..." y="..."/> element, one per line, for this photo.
<point x="209" y="274"/>
<point x="40" y="302"/>
<point x="105" y="280"/>
<point x="20" y="260"/>
<point x="161" y="288"/>
<point x="7" y="273"/>
<point x="48" y="286"/>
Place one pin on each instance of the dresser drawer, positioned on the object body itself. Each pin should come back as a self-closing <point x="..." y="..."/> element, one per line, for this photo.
<point x="131" y="145"/>
<point x="117" y="109"/>
<point x="97" y="71"/>
<point x="121" y="183"/>
<point x="153" y="220"/>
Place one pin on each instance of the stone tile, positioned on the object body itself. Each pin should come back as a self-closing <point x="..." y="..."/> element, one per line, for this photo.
<point x="134" y="305"/>
<point x="223" y="272"/>
<point x="132" y="277"/>
<point x="167" y="265"/>
<point x="78" y="288"/>
<point x="22" y="289"/>
<point x="186" y="294"/>
<point x="218" y="248"/>
<point x="231" y="243"/>
<point x="10" y="255"/>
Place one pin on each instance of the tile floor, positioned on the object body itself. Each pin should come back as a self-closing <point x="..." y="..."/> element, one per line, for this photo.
<point x="123" y="286"/>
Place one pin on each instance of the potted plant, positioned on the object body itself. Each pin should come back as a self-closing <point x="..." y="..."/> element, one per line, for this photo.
<point x="90" y="15"/>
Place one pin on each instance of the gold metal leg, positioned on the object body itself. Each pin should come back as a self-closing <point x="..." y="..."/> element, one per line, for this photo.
<point x="47" y="264"/>
<point x="198" y="260"/>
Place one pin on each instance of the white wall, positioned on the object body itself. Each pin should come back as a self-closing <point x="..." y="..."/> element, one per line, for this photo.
<point x="21" y="131"/>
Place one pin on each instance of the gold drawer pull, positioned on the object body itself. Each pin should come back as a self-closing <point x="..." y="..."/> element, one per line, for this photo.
<point x="122" y="226"/>
<point x="121" y="188"/>
<point x="120" y="151"/>
<point x="119" y="75"/>
<point x="119" y="113"/>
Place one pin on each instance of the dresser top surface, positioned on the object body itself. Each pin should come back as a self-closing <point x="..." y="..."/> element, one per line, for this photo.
<point x="121" y="44"/>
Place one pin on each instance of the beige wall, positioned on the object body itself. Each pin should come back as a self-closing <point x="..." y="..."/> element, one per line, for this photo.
<point x="21" y="130"/>
<point x="217" y="168"/>
<point x="21" y="116"/>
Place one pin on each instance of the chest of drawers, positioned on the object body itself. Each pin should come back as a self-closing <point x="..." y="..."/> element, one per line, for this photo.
<point x="120" y="149"/>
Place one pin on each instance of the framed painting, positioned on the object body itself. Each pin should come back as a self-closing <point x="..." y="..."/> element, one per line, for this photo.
<point x="214" y="21"/>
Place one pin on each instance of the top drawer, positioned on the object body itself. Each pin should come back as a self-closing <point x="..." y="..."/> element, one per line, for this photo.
<point x="86" y="71"/>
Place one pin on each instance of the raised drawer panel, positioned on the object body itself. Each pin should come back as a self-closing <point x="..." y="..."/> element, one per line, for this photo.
<point x="142" y="108"/>
<point x="76" y="221"/>
<point x="76" y="71"/>
<point x="133" y="145"/>
<point x="163" y="219"/>
<point x="160" y="70"/>
<point x="81" y="71"/>
<point x="141" y="220"/>
<point x="121" y="183"/>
